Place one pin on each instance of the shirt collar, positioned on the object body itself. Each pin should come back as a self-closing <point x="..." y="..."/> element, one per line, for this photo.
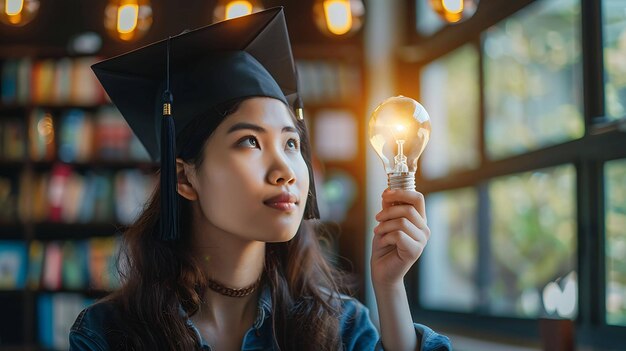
<point x="264" y="309"/>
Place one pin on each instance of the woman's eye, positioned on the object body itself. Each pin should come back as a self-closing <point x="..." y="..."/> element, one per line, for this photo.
<point x="249" y="141"/>
<point x="293" y="144"/>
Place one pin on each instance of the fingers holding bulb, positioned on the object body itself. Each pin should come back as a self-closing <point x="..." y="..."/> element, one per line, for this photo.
<point x="412" y="198"/>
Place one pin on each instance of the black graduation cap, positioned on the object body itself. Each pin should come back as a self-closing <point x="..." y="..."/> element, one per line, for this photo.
<point x="163" y="87"/>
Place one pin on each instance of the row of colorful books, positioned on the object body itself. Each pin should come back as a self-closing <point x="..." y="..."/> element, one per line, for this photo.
<point x="65" y="81"/>
<point x="75" y="135"/>
<point x="328" y="81"/>
<point x="68" y="196"/>
<point x="86" y="264"/>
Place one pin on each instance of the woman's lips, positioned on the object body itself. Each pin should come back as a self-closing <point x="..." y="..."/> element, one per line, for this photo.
<point x="282" y="206"/>
<point x="282" y="202"/>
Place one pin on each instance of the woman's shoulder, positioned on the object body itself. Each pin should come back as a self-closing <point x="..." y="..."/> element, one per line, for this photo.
<point x="98" y="327"/>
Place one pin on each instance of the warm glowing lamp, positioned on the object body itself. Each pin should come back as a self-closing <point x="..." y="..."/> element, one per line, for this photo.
<point x="338" y="17"/>
<point x="128" y="20"/>
<point x="227" y="9"/>
<point x="454" y="11"/>
<point x="399" y="130"/>
<point x="18" y="12"/>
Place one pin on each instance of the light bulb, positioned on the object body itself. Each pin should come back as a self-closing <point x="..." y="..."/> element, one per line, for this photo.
<point x="454" y="11"/>
<point x="338" y="17"/>
<point x="399" y="130"/>
<point x="128" y="20"/>
<point x="227" y="9"/>
<point x="18" y="12"/>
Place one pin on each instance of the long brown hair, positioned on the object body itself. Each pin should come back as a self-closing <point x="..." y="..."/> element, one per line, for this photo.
<point x="160" y="277"/>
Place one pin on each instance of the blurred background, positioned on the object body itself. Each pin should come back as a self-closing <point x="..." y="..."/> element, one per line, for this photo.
<point x="524" y="175"/>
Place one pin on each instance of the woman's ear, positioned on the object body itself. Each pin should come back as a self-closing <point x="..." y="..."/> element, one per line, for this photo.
<point x="184" y="186"/>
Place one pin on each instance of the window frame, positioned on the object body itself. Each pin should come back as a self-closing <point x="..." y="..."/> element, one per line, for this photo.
<point x="601" y="142"/>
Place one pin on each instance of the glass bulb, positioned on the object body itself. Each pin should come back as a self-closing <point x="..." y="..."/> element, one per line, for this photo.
<point x="399" y="130"/>
<point x="18" y="12"/>
<point x="338" y="17"/>
<point x="128" y="20"/>
<point x="454" y="11"/>
<point x="228" y="9"/>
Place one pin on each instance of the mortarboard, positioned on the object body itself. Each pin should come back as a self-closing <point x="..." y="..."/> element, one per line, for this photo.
<point x="162" y="88"/>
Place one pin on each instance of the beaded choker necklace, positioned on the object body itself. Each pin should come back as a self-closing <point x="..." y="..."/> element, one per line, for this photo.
<point x="226" y="291"/>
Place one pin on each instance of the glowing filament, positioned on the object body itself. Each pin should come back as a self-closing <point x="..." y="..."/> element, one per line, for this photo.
<point x="338" y="16"/>
<point x="127" y="16"/>
<point x="238" y="8"/>
<point x="453" y="6"/>
<point x="13" y="7"/>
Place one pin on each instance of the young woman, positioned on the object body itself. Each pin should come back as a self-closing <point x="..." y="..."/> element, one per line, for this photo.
<point x="245" y="271"/>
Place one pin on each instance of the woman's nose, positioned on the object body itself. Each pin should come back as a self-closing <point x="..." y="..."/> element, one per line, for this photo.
<point x="280" y="172"/>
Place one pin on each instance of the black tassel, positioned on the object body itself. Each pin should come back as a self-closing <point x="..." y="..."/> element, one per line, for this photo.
<point x="169" y="195"/>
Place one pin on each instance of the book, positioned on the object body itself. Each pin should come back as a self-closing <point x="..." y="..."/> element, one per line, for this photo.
<point x="103" y="197"/>
<point x="41" y="135"/>
<point x="75" y="274"/>
<point x="102" y="257"/>
<point x="63" y="81"/>
<point x="8" y="200"/>
<point x="113" y="135"/>
<point x="85" y="88"/>
<point x="56" y="313"/>
<point x="24" y="71"/>
<point x="12" y="139"/>
<point x="40" y="198"/>
<point x="13" y="264"/>
<point x="9" y="77"/>
<point x="53" y="261"/>
<point x="35" y="264"/>
<point x="132" y="190"/>
<point x="57" y="190"/>
<point x="75" y="139"/>
<point x="43" y="81"/>
<point x="73" y="198"/>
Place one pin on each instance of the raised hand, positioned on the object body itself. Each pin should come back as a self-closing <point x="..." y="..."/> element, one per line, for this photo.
<point x="400" y="236"/>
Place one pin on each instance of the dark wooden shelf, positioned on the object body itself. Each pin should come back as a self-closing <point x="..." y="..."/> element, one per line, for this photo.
<point x="11" y="164"/>
<point x="11" y="292"/>
<point x="95" y="293"/>
<point x="63" y="231"/>
<point x="96" y="164"/>
<point x="52" y="106"/>
<point x="11" y="230"/>
<point x="34" y="292"/>
<point x="19" y="348"/>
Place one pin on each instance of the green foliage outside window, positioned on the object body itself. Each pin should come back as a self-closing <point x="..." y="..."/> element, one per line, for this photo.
<point x="533" y="79"/>
<point x="533" y="237"/>
<point x="615" y="209"/>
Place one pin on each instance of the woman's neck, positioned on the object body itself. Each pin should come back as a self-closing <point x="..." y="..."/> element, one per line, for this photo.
<point x="232" y="262"/>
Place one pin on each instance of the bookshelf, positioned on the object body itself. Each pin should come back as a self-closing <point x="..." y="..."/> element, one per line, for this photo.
<point x="72" y="176"/>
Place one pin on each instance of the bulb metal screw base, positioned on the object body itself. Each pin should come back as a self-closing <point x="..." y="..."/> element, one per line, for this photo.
<point x="401" y="180"/>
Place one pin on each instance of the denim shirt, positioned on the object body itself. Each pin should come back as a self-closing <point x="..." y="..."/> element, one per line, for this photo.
<point x="92" y="329"/>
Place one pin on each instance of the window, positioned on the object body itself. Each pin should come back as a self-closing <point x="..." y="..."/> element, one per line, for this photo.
<point x="451" y="96"/>
<point x="615" y="222"/>
<point x="533" y="79"/>
<point x="451" y="260"/>
<point x="614" y="36"/>
<point x="533" y="240"/>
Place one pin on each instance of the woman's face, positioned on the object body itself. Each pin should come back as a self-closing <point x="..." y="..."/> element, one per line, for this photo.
<point x="253" y="181"/>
